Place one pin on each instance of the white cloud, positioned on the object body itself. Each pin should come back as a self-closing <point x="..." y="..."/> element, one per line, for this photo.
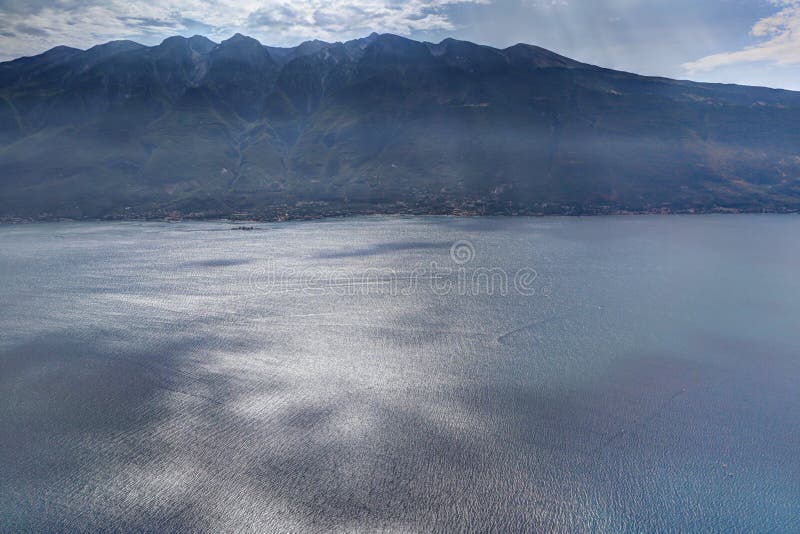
<point x="338" y="19"/>
<point x="33" y="27"/>
<point x="780" y="35"/>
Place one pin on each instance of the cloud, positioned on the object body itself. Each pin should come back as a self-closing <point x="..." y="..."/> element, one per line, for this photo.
<point x="30" y="30"/>
<point x="780" y="35"/>
<point x="347" y="18"/>
<point x="31" y="27"/>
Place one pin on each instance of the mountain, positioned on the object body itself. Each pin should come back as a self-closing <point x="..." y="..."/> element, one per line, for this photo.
<point x="379" y="124"/>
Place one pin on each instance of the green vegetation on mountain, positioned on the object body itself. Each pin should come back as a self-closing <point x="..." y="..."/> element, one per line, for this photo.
<point x="380" y="124"/>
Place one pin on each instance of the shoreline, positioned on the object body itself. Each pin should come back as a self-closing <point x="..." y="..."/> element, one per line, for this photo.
<point x="175" y="218"/>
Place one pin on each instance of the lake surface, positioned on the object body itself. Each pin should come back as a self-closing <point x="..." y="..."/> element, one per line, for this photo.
<point x="408" y="374"/>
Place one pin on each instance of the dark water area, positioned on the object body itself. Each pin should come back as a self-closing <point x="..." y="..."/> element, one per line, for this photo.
<point x="407" y="374"/>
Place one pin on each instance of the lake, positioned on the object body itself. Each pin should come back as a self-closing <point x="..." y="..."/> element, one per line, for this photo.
<point x="402" y="373"/>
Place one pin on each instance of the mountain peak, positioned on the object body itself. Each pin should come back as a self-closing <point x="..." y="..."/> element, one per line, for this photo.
<point x="115" y="47"/>
<point x="470" y="57"/>
<point x="239" y="38"/>
<point x="119" y="44"/>
<point x="174" y="41"/>
<point x="390" y="38"/>
<point x="202" y="44"/>
<point x="241" y="44"/>
<point x="177" y="48"/>
<point x="388" y="45"/>
<point x="450" y="43"/>
<point x="59" y="52"/>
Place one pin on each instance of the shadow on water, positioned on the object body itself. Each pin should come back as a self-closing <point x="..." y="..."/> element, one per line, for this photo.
<point x="152" y="440"/>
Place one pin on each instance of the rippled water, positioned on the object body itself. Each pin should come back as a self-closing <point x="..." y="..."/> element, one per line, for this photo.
<point x="337" y="376"/>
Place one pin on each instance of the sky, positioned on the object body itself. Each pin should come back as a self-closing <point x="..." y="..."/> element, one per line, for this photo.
<point x="754" y="42"/>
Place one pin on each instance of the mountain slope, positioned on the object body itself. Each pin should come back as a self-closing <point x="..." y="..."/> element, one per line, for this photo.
<point x="380" y="124"/>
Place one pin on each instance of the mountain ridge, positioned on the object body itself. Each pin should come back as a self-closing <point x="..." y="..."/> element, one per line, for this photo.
<point x="381" y="124"/>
